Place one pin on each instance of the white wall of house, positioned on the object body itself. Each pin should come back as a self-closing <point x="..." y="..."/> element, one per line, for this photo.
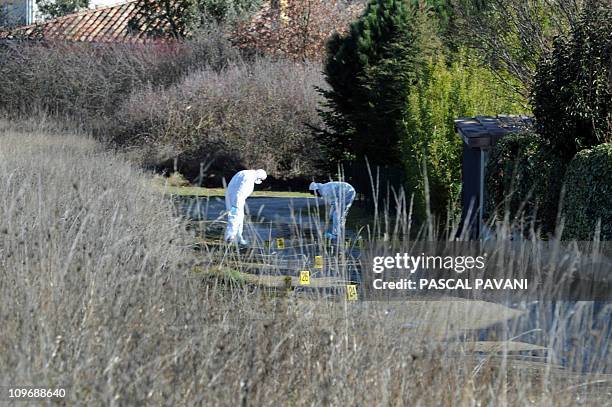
<point x="18" y="12"/>
<point x="23" y="12"/>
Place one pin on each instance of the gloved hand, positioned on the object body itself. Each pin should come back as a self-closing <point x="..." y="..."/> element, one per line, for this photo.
<point x="329" y="235"/>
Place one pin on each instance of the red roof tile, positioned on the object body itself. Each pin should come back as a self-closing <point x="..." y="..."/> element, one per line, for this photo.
<point x="107" y="24"/>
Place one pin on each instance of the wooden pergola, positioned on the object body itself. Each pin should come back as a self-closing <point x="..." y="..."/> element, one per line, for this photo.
<point x="479" y="134"/>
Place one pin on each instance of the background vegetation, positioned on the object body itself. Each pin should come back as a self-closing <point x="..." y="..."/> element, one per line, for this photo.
<point x="243" y="116"/>
<point x="87" y="81"/>
<point x="572" y="94"/>
<point x="397" y="82"/>
<point x="511" y="36"/>
<point x="572" y="105"/>
<point x="524" y="181"/>
<point x="393" y="82"/>
<point x="443" y="92"/>
<point x="59" y="8"/>
<point x="369" y="71"/>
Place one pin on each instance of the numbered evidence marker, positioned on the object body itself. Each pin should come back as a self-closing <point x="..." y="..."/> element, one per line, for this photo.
<point x="351" y="292"/>
<point x="280" y="243"/>
<point x="318" y="264"/>
<point x="305" y="277"/>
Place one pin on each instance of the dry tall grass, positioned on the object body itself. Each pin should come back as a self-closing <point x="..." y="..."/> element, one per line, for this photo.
<point x="98" y="294"/>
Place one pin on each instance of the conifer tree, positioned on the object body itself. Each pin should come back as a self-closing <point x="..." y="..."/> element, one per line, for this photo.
<point x="369" y="71"/>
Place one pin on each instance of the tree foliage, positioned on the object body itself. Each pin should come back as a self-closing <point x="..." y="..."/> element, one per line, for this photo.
<point x="512" y="35"/>
<point x="572" y="104"/>
<point x="178" y="18"/>
<point x="221" y="11"/>
<point x="369" y="71"/>
<point x="162" y="18"/>
<point x="572" y="95"/>
<point x="58" y="8"/>
<point x="396" y="90"/>
<point x="298" y="30"/>
<point x="443" y="92"/>
<point x="522" y="179"/>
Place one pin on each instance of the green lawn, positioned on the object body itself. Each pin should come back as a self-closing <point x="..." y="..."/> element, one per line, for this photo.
<point x="200" y="191"/>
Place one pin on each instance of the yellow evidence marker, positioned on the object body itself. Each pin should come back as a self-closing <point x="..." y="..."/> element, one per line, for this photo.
<point x="305" y="277"/>
<point x="280" y="243"/>
<point x="351" y="292"/>
<point x="318" y="264"/>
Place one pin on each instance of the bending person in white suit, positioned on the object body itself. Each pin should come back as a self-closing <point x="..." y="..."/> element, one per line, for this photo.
<point x="239" y="189"/>
<point x="339" y="197"/>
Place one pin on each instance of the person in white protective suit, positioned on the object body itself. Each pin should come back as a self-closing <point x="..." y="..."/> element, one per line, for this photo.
<point x="240" y="187"/>
<point x="339" y="197"/>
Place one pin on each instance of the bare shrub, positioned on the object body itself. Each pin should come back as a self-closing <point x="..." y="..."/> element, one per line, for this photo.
<point x="247" y="115"/>
<point x="296" y="29"/>
<point x="88" y="81"/>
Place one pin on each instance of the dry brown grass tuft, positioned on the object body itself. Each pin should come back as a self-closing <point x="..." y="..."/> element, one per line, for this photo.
<point x="97" y="294"/>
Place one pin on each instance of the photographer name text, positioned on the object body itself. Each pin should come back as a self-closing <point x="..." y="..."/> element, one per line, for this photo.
<point x="406" y="263"/>
<point x="452" y="284"/>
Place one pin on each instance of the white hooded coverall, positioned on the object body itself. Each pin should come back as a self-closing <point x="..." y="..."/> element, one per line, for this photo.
<point x="339" y="197"/>
<point x="240" y="187"/>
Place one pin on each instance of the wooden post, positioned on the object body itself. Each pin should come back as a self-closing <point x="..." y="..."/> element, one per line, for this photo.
<point x="280" y="6"/>
<point x="283" y="17"/>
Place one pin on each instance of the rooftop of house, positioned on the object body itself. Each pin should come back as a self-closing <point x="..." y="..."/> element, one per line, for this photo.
<point x="114" y="23"/>
<point x="123" y="23"/>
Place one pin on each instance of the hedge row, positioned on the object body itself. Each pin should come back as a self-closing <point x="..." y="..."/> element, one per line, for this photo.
<point x="589" y="194"/>
<point x="572" y="105"/>
<point x="525" y="178"/>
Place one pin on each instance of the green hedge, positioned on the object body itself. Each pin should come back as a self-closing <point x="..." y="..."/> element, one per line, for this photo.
<point x="572" y="96"/>
<point x="589" y="193"/>
<point x="523" y="177"/>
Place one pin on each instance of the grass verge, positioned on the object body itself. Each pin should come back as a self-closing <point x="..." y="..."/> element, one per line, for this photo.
<point x="220" y="192"/>
<point x="97" y="295"/>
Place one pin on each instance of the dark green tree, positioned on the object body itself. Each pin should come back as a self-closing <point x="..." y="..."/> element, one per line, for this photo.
<point x="58" y="8"/>
<point x="572" y="93"/>
<point x="165" y="18"/>
<point x="369" y="71"/>
<point x="179" y="18"/>
<point x="221" y="11"/>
